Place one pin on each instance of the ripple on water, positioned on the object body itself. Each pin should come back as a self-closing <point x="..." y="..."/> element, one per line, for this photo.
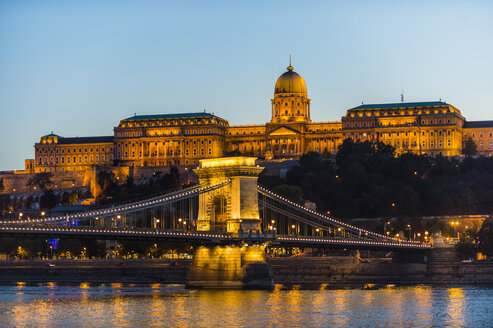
<point x="119" y="305"/>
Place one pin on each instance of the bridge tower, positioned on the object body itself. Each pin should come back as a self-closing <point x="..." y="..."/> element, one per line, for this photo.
<point x="234" y="206"/>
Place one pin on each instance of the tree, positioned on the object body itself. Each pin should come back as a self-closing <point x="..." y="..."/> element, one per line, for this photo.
<point x="48" y="199"/>
<point x="2" y="186"/>
<point x="41" y="180"/>
<point x="467" y="243"/>
<point x="470" y="147"/>
<point x="485" y="238"/>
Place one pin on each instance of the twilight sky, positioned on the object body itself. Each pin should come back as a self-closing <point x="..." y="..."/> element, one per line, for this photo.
<point x="78" y="67"/>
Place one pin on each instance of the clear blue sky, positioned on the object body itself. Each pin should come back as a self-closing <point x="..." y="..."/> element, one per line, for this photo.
<point x="78" y="67"/>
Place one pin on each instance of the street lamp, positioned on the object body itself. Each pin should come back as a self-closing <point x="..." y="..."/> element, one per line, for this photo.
<point x="385" y="227"/>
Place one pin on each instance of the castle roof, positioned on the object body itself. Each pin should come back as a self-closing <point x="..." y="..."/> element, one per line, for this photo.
<point x="478" y="124"/>
<point x="402" y="105"/>
<point x="165" y="116"/>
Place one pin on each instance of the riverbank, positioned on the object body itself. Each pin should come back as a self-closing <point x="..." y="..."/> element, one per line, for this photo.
<point x="349" y="271"/>
<point x="308" y="271"/>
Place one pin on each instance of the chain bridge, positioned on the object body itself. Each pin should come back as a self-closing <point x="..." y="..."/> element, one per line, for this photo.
<point x="226" y="207"/>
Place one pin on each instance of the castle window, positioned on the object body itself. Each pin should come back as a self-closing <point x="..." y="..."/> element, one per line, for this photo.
<point x="431" y="133"/>
<point x="97" y="158"/>
<point x="424" y="143"/>
<point x="118" y="135"/>
<point x="85" y="150"/>
<point x="448" y="142"/>
<point x="85" y="158"/>
<point x="68" y="159"/>
<point x="440" y="143"/>
<point x="201" y="131"/>
<point x="432" y="143"/>
<point x="194" y="151"/>
<point x="186" y="152"/>
<point x="491" y="144"/>
<point x="91" y="158"/>
<point x="80" y="159"/>
<point x="56" y="160"/>
<point x="439" y="133"/>
<point x="111" y="158"/>
<point x="210" y="141"/>
<point x="194" y="131"/>
<point x="202" y="151"/>
<point x="126" y="134"/>
<point x="133" y="134"/>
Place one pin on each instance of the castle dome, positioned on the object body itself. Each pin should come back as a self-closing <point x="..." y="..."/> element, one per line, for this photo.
<point x="290" y="82"/>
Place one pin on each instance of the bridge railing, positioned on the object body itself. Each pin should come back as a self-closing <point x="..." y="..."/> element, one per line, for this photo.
<point x="341" y="241"/>
<point x="319" y="218"/>
<point x="129" y="207"/>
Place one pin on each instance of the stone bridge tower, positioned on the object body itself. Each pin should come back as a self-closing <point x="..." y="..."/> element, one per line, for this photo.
<point x="234" y="206"/>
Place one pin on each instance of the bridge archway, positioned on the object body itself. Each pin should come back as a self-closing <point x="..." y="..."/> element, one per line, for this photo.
<point x="238" y="198"/>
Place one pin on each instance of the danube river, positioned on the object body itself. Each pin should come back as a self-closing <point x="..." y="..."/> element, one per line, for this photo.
<point x="116" y="305"/>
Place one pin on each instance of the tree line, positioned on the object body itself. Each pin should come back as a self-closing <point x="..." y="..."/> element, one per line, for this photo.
<point x="366" y="179"/>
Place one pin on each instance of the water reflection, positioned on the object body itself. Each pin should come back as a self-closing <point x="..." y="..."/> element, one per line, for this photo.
<point x="54" y="305"/>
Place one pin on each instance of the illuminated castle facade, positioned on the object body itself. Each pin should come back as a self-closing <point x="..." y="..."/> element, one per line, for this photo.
<point x="432" y="128"/>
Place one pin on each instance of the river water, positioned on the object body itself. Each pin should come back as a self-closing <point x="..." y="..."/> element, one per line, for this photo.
<point x="117" y="305"/>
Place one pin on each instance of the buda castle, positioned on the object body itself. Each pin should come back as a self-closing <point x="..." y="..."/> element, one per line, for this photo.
<point x="431" y="128"/>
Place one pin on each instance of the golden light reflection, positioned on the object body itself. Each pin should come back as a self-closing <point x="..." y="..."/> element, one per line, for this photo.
<point x="456" y="306"/>
<point x="84" y="285"/>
